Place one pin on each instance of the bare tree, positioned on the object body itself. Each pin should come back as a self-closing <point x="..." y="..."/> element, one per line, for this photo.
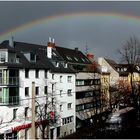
<point x="46" y="115"/>
<point x="130" y="53"/>
<point x="123" y="96"/>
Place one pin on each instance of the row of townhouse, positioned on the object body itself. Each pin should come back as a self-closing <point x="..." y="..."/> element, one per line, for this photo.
<point x="67" y="93"/>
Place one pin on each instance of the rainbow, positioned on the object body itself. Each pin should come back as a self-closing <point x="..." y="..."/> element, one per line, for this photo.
<point x="55" y="18"/>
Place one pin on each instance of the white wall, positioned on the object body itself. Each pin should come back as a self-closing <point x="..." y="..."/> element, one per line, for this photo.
<point x="114" y="76"/>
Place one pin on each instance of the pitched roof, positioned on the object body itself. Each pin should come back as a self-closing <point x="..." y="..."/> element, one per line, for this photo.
<point x="42" y="61"/>
<point x="122" y="69"/>
<point x="73" y="56"/>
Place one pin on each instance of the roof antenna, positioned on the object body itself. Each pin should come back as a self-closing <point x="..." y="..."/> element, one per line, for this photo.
<point x="86" y="48"/>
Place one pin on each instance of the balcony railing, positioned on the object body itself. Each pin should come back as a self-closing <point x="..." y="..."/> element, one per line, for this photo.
<point x="9" y="81"/>
<point x="13" y="100"/>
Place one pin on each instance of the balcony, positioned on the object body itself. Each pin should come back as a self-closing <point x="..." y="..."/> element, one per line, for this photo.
<point x="9" y="101"/>
<point x="11" y="81"/>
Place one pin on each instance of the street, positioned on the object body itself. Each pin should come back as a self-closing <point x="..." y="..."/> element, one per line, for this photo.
<point x="132" y="131"/>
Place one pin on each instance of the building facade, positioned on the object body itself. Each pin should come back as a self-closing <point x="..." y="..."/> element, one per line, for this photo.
<point x="21" y="65"/>
<point x="120" y="88"/>
<point x="88" y="92"/>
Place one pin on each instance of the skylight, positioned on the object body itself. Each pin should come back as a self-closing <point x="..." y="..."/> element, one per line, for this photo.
<point x="69" y="58"/>
<point x="75" y="58"/>
<point x="54" y="54"/>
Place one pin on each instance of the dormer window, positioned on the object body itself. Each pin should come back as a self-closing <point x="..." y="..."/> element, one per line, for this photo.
<point x="75" y="58"/>
<point x="57" y="64"/>
<point x="69" y="58"/>
<point x="83" y="59"/>
<point x="66" y="65"/>
<point x="54" y="54"/>
<point x="125" y="69"/>
<point x="118" y="69"/>
<point x="32" y="57"/>
<point x="17" y="59"/>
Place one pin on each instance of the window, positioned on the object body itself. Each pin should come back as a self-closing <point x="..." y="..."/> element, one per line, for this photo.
<point x="36" y="110"/>
<point x="69" y="105"/>
<point x="0" y="95"/>
<point x="1" y="79"/>
<point x="76" y="58"/>
<point x="69" y="79"/>
<point x="2" y="56"/>
<point x="83" y="59"/>
<point x="53" y="100"/>
<point x="54" y="53"/>
<point x="26" y="111"/>
<point x="45" y="74"/>
<point x="36" y="90"/>
<point x="79" y="82"/>
<point x="58" y="131"/>
<point x="26" y="73"/>
<point x="69" y="92"/>
<point x="32" y="57"/>
<point x="69" y="58"/>
<point x="65" y="133"/>
<point x="45" y="89"/>
<point x="26" y="91"/>
<point x="53" y="76"/>
<point x="89" y="105"/>
<point x="56" y="64"/>
<point x="26" y="133"/>
<point x="36" y="73"/>
<point x="71" y="131"/>
<point x="67" y="120"/>
<point x="14" y="113"/>
<point x="60" y="92"/>
<point x="52" y="87"/>
<point x="89" y="94"/>
<point x="45" y="107"/>
<point x="65" y="65"/>
<point x="60" y="107"/>
<point x="60" y="79"/>
<point x="79" y="107"/>
<point x="17" y="59"/>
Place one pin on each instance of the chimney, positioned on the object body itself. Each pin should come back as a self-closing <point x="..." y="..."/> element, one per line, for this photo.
<point x="51" y="43"/>
<point x="11" y="42"/>
<point x="90" y="56"/>
<point x="50" y="46"/>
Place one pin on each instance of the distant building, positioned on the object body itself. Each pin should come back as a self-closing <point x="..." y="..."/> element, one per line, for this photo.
<point x="119" y="72"/>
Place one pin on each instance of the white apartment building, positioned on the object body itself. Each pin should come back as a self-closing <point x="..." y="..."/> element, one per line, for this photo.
<point x="88" y="94"/>
<point x="21" y="64"/>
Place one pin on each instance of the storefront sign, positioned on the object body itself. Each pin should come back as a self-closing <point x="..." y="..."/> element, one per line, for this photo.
<point x="18" y="128"/>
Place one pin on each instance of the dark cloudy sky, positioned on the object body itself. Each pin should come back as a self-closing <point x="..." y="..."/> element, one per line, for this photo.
<point x="103" y="35"/>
